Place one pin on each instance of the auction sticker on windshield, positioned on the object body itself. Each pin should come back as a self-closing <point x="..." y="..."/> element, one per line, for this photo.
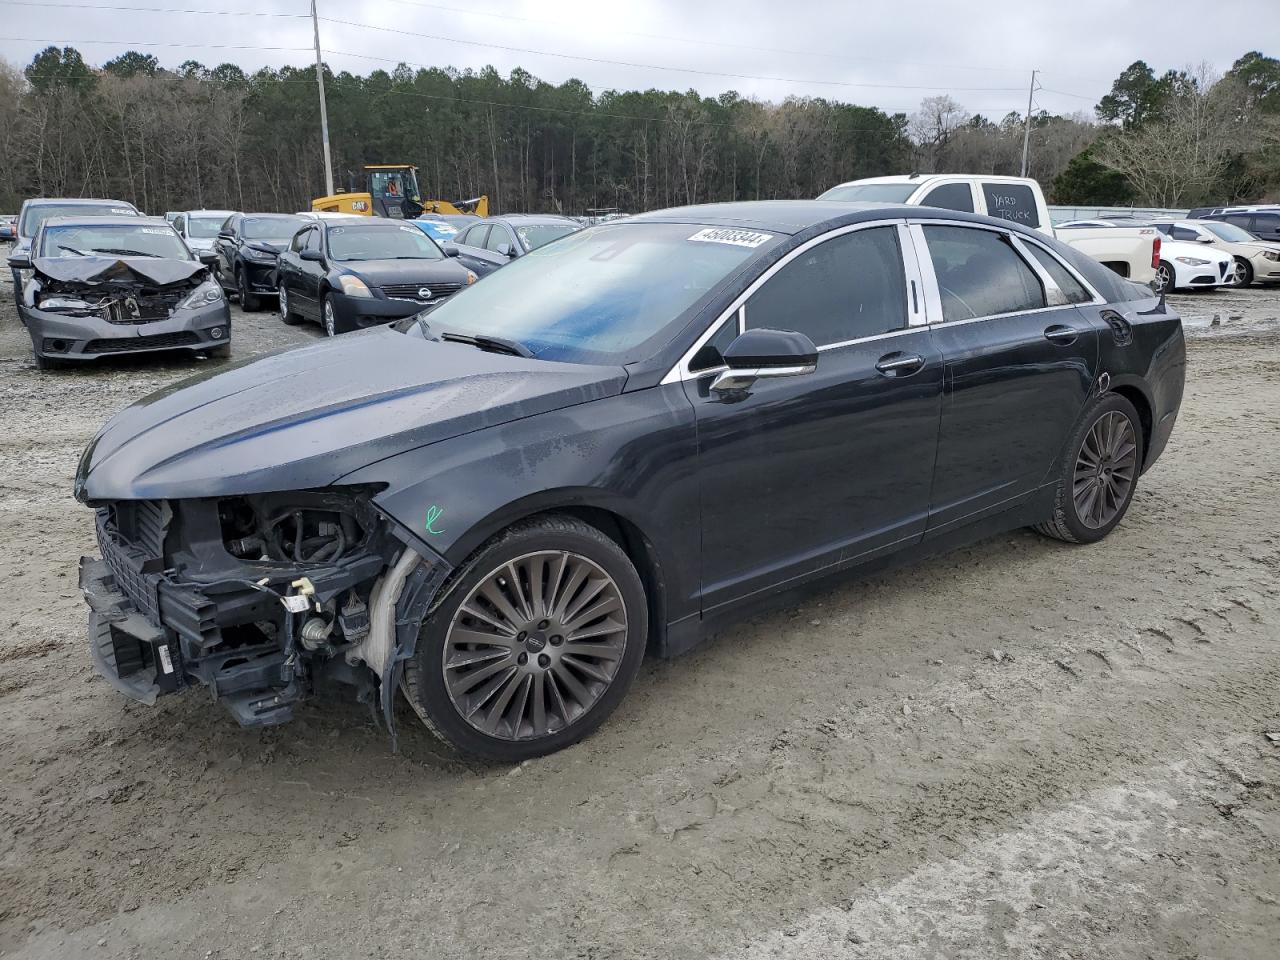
<point x="739" y="238"/>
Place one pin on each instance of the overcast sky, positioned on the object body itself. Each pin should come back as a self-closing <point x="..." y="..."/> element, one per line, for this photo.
<point x="887" y="54"/>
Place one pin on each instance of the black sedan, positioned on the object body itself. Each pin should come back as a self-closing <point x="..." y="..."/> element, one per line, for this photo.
<point x="613" y="446"/>
<point x="247" y="247"/>
<point x="486" y="245"/>
<point x="363" y="271"/>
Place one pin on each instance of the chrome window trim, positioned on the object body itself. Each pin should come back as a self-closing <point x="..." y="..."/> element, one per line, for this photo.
<point x="680" y="371"/>
<point x="917" y="226"/>
<point x="1054" y="295"/>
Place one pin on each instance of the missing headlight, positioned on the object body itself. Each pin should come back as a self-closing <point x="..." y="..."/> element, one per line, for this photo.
<point x="319" y="526"/>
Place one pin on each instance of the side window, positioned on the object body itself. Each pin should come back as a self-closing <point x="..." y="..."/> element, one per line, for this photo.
<point x="1242" y="220"/>
<point x="299" y="239"/>
<point x="980" y="275"/>
<point x="950" y="196"/>
<point x="1012" y="201"/>
<point x="1266" y="224"/>
<point x="475" y="236"/>
<point x="848" y="287"/>
<point x="1074" y="290"/>
<point x="711" y="354"/>
<point x="312" y="240"/>
<point x="497" y="237"/>
<point x="180" y="224"/>
<point x="1184" y="233"/>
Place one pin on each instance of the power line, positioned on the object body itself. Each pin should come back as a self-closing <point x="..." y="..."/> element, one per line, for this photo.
<point x="655" y="66"/>
<point x="149" y="43"/>
<point x="133" y="9"/>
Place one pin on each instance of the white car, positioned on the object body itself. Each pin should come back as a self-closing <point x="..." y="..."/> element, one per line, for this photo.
<point x="1184" y="265"/>
<point x="1133" y="253"/>
<point x="199" y="228"/>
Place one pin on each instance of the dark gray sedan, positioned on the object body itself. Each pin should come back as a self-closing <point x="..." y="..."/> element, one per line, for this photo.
<point x="489" y="244"/>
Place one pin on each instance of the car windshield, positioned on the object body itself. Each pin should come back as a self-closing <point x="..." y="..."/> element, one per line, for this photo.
<point x="118" y="240"/>
<point x="37" y="214"/>
<point x="604" y="295"/>
<point x="381" y="243"/>
<point x="535" y="235"/>
<point x="275" y="229"/>
<point x="437" y="229"/>
<point x="1230" y="232"/>
<point x="204" y="228"/>
<point x="876" y="192"/>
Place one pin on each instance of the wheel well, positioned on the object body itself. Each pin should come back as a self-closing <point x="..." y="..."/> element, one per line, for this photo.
<point x="640" y="552"/>
<point x="1135" y="396"/>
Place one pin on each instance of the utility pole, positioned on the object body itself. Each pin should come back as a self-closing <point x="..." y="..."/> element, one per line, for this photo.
<point x="324" y="110"/>
<point x="1026" y="131"/>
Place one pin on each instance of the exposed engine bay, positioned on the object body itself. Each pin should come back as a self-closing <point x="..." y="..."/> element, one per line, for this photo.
<point x="118" y="291"/>
<point x="256" y="597"/>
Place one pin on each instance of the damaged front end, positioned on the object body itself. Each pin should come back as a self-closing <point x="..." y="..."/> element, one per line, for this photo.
<point x="258" y="598"/>
<point x="87" y="307"/>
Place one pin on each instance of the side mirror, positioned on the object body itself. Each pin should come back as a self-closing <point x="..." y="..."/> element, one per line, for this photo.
<point x="449" y="248"/>
<point x="504" y="250"/>
<point x="314" y="256"/>
<point x="765" y="354"/>
<point x="1206" y="239"/>
<point x="208" y="258"/>
<point x="20" y="262"/>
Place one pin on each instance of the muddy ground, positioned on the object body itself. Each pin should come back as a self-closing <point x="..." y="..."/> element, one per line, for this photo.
<point x="1020" y="749"/>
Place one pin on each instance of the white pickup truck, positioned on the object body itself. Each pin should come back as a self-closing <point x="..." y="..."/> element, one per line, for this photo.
<point x="1132" y="252"/>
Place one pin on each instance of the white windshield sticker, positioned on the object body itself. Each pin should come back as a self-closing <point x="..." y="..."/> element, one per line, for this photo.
<point x="410" y="229"/>
<point x="158" y="231"/>
<point x="123" y="211"/>
<point x="739" y="238"/>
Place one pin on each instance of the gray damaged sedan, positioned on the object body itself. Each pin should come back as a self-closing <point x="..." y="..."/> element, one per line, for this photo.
<point x="113" y="285"/>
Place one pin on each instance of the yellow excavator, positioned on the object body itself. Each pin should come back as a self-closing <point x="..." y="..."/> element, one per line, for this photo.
<point x="391" y="190"/>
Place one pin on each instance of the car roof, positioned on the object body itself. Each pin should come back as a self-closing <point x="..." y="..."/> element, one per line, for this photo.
<point x="201" y="213"/>
<point x="790" y="216"/>
<point x="535" y="218"/>
<point x="921" y="178"/>
<point x="116" y="221"/>
<point x="86" y="201"/>
<point x="378" y="223"/>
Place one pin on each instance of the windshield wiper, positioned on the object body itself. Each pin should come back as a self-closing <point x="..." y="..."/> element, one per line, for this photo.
<point x="490" y="343"/>
<point x="78" y="253"/>
<point x="125" y="252"/>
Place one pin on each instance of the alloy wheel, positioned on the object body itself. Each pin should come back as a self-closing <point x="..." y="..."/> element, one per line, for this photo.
<point x="284" y="303"/>
<point x="330" y="321"/>
<point x="1106" y="467"/>
<point x="1164" y="279"/>
<point x="535" y="645"/>
<point x="1241" y="273"/>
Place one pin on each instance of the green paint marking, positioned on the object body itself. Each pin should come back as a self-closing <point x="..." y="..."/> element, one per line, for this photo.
<point x="433" y="514"/>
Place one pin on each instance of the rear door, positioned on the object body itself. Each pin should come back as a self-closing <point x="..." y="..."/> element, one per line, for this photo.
<point x="1020" y="361"/>
<point x="808" y="472"/>
<point x="1265" y="226"/>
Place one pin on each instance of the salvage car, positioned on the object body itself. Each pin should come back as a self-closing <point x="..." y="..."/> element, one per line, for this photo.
<point x="199" y="229"/>
<point x="247" y="246"/>
<point x="488" y="244"/>
<point x="113" y="285"/>
<point x="358" y="272"/>
<point x="618" y="443"/>
<point x="34" y="212"/>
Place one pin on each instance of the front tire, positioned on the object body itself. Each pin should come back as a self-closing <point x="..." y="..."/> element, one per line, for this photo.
<point x="1243" y="272"/>
<point x="329" y="318"/>
<point x="536" y="642"/>
<point x="1099" y="473"/>
<point x="1165" y="278"/>
<point x="249" y="301"/>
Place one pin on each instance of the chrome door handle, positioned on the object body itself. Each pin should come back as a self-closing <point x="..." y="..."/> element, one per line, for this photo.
<point x="1061" y="333"/>
<point x="899" y="364"/>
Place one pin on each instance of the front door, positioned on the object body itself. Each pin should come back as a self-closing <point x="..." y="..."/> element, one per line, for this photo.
<point x="1018" y="370"/>
<point x="832" y="466"/>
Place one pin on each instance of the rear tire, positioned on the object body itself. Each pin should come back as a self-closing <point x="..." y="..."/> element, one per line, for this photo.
<point x="1099" y="473"/>
<point x="249" y="301"/>
<point x="286" y="314"/>
<point x="549" y="661"/>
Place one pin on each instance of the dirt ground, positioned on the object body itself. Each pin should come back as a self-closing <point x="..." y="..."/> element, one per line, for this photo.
<point x="1020" y="749"/>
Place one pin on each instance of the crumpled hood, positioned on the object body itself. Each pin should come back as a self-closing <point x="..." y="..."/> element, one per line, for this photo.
<point x="305" y="417"/>
<point x="151" y="271"/>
